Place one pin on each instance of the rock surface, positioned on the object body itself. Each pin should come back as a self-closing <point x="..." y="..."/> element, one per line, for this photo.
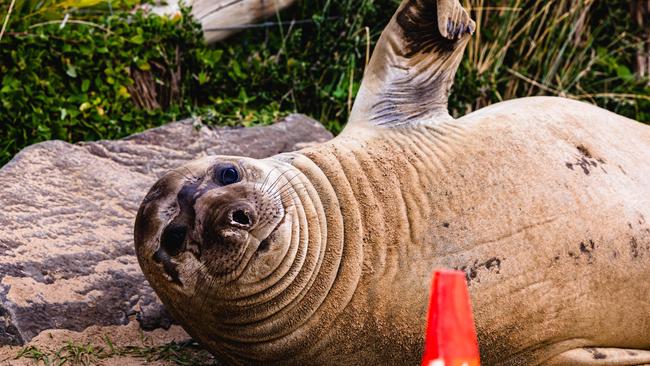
<point x="129" y="346"/>
<point x="66" y="222"/>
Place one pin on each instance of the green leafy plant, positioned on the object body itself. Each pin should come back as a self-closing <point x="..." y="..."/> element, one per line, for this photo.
<point x="119" y="76"/>
<point x="104" y="75"/>
<point x="74" y="353"/>
<point x="576" y="49"/>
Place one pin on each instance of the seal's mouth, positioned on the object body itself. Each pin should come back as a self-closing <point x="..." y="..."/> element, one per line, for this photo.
<point x="232" y="227"/>
<point x="265" y="244"/>
<point x="271" y="238"/>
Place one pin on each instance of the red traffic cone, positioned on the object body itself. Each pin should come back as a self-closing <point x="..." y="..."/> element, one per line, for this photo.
<point x="451" y="336"/>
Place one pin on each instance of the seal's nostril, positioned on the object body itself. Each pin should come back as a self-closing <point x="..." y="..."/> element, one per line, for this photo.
<point x="241" y="217"/>
<point x="173" y="238"/>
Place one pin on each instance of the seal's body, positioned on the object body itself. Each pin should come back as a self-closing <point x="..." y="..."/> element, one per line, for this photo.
<point x="323" y="256"/>
<point x="541" y="201"/>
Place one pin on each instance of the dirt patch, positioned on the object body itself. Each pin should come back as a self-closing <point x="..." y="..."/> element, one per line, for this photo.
<point x="109" y="345"/>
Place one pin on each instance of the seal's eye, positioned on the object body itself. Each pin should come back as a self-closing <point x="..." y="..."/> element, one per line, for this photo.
<point x="227" y="175"/>
<point x="173" y="238"/>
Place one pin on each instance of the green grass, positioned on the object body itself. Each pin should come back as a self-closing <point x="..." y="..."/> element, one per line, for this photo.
<point x="88" y="81"/>
<point x="183" y="354"/>
<point x="577" y="49"/>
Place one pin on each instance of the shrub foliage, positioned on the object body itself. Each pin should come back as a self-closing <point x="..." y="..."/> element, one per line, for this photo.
<point x="118" y="76"/>
<point x="107" y="72"/>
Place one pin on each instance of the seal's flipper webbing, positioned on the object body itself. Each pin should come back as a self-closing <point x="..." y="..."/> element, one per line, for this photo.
<point x="413" y="65"/>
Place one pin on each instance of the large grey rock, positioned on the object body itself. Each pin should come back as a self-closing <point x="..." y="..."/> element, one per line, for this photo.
<point x="66" y="218"/>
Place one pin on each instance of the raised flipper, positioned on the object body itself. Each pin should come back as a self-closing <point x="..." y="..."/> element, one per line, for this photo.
<point x="413" y="65"/>
<point x="598" y="356"/>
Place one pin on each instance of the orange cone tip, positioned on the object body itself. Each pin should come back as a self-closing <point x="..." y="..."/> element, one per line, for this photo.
<point x="450" y="339"/>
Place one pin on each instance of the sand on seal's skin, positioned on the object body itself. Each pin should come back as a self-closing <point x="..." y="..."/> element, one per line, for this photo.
<point x="121" y="336"/>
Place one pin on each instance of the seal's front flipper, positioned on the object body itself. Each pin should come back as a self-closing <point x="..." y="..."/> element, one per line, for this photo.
<point x="413" y="66"/>
<point x="594" y="356"/>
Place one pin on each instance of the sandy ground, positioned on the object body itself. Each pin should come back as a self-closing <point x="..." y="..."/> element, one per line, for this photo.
<point x="51" y="341"/>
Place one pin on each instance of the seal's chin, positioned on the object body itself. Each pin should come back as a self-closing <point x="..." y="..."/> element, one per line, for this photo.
<point x="225" y="257"/>
<point x="233" y="253"/>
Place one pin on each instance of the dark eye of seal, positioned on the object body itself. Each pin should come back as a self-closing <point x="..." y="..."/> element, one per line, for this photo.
<point x="173" y="238"/>
<point x="227" y="175"/>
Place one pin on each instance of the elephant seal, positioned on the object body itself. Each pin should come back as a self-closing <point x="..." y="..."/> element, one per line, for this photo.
<point x="323" y="256"/>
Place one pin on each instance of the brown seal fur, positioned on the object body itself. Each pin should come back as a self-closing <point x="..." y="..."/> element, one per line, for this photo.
<point x="323" y="256"/>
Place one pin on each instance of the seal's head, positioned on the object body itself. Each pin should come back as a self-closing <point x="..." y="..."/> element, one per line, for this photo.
<point x="238" y="250"/>
<point x="207" y="229"/>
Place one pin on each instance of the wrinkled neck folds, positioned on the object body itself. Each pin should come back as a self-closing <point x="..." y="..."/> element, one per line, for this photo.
<point x="266" y="317"/>
<point x="380" y="184"/>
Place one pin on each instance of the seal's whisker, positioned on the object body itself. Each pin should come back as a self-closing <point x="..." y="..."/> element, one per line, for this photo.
<point x="285" y="192"/>
<point x="268" y="175"/>
<point x="281" y="175"/>
<point x="294" y="187"/>
<point x="289" y="195"/>
<point x="277" y="179"/>
<point x="290" y="181"/>
<point x="288" y="188"/>
<point x="259" y="185"/>
<point x="294" y="177"/>
<point x="277" y="197"/>
<point x="288" y="198"/>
